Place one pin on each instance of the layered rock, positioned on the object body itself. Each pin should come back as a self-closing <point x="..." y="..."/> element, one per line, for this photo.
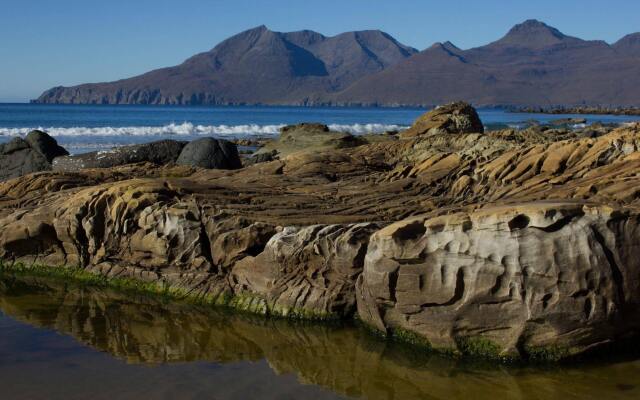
<point x="517" y="280"/>
<point x="307" y="137"/>
<point x="307" y="272"/>
<point x="448" y="238"/>
<point x="458" y="117"/>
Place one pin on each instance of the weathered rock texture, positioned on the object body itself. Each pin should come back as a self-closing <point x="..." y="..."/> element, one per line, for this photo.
<point x="457" y="117"/>
<point x="34" y="153"/>
<point x="307" y="137"/>
<point x="527" y="277"/>
<point x="507" y="243"/>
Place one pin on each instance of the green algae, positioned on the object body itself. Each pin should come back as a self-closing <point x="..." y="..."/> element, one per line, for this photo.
<point x="482" y="347"/>
<point x="242" y="302"/>
<point x="412" y="338"/>
<point x="248" y="303"/>
<point x="545" y="354"/>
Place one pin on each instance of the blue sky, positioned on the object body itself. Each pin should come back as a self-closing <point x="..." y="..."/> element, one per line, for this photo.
<point x="45" y="43"/>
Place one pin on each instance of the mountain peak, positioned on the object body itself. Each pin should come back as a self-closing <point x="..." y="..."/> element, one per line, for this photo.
<point x="533" y="34"/>
<point x="629" y="44"/>
<point x="535" y="26"/>
<point x="630" y="39"/>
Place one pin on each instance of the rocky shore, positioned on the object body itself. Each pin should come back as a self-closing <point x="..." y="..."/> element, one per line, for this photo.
<point x="581" y="110"/>
<point x="504" y="244"/>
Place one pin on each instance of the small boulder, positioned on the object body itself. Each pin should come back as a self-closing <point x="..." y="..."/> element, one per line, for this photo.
<point x="23" y="156"/>
<point x="160" y="152"/>
<point x="211" y="154"/>
<point x="458" y="117"/>
<point x="257" y="158"/>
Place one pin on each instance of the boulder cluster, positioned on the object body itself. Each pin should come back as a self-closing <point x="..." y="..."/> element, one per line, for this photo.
<point x="34" y="153"/>
<point x="40" y="152"/>
<point x="510" y="244"/>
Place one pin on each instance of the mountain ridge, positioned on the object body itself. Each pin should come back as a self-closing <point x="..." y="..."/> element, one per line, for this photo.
<point x="533" y="64"/>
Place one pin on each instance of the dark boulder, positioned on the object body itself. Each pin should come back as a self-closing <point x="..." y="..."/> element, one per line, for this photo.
<point x="23" y="156"/>
<point x="45" y="144"/>
<point x="211" y="154"/>
<point x="160" y="152"/>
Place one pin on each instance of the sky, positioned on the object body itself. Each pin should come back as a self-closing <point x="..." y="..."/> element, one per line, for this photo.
<point x="46" y="43"/>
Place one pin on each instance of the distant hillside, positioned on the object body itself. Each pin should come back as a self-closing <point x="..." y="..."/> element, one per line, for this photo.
<point x="255" y="66"/>
<point x="532" y="65"/>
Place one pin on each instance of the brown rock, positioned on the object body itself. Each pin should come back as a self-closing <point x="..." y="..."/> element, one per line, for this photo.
<point x="309" y="137"/>
<point x="308" y="272"/>
<point x="523" y="278"/>
<point x="459" y="117"/>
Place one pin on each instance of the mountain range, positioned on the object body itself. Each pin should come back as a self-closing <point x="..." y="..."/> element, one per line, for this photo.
<point x="532" y="65"/>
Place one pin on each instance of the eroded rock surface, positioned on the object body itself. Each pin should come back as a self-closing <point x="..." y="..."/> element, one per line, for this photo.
<point x="514" y="243"/>
<point x="522" y="278"/>
<point x="308" y="137"/>
<point x="307" y="272"/>
<point x="458" y="117"/>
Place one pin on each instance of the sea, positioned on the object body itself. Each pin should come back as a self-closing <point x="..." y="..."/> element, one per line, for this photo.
<point x="84" y="128"/>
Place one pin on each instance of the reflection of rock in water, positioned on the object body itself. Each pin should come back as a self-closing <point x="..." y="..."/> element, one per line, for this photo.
<point x="344" y="359"/>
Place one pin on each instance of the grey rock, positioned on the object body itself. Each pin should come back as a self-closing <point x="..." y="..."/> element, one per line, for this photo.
<point x="45" y="144"/>
<point x="160" y="152"/>
<point x="257" y="158"/>
<point x="20" y="157"/>
<point x="211" y="154"/>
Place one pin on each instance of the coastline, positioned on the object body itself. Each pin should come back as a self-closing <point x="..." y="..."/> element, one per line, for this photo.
<point x="442" y="234"/>
<point x="595" y="110"/>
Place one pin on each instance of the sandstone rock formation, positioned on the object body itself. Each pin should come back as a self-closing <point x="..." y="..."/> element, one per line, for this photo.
<point x="504" y="244"/>
<point x="34" y="153"/>
<point x="523" y="278"/>
<point x="459" y="117"/>
<point x="307" y="137"/>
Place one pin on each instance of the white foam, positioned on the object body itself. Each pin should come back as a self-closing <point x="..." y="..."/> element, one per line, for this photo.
<point x="189" y="129"/>
<point x="359" y="129"/>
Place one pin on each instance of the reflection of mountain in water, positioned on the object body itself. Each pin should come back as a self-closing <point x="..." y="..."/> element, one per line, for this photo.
<point x="344" y="359"/>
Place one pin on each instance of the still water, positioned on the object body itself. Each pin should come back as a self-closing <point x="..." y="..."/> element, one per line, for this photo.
<point x="64" y="341"/>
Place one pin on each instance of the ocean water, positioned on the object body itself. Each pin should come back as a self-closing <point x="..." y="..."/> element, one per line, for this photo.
<point x="82" y="128"/>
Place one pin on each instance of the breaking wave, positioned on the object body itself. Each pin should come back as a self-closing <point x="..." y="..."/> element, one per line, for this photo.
<point x="189" y="129"/>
